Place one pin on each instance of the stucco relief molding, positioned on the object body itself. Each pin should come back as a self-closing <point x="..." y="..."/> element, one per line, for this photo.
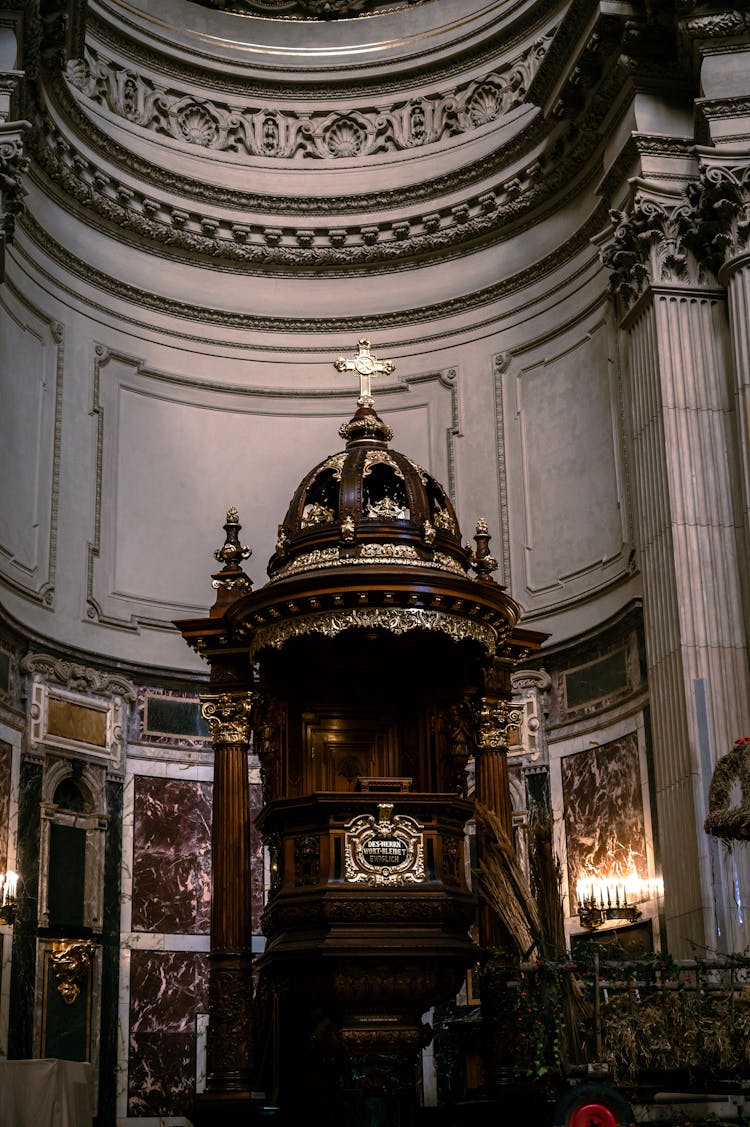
<point x="723" y="203"/>
<point x="13" y="164"/>
<point x="45" y="593"/>
<point x="244" y="200"/>
<point x="78" y="678"/>
<point x="204" y="314"/>
<point x="270" y="132"/>
<point x="657" y="241"/>
<point x="456" y="229"/>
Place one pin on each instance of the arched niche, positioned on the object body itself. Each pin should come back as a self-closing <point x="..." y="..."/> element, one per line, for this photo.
<point x="72" y="845"/>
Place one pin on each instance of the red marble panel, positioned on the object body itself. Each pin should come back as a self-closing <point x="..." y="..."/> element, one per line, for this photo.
<point x="172" y="856"/>
<point x="603" y="801"/>
<point x="167" y="990"/>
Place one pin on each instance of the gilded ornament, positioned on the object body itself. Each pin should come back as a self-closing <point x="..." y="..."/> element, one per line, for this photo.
<point x="403" y="555"/>
<point x="495" y="720"/>
<point x="70" y="966"/>
<point x="396" y="620"/>
<point x="387" y="851"/>
<point x="228" y="717"/>
<point x="380" y="458"/>
<point x="316" y="514"/>
<point x="444" y="520"/>
<point x="429" y="533"/>
<point x="365" y="365"/>
<point x="387" y="509"/>
<point x="347" y="529"/>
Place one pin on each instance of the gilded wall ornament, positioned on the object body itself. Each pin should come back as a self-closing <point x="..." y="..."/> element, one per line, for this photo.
<point x="71" y="966"/>
<point x="228" y="716"/>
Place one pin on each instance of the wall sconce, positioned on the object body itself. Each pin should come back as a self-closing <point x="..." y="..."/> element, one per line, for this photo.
<point x="601" y="899"/>
<point x="8" y="889"/>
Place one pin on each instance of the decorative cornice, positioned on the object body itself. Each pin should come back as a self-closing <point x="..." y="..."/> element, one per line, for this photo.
<point x="449" y="231"/>
<point x="79" y="678"/>
<point x="244" y="201"/>
<point x="271" y="132"/>
<point x="206" y="314"/>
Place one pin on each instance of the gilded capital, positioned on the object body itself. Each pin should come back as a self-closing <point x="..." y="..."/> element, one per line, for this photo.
<point x="228" y="716"/>
<point x="495" y="720"/>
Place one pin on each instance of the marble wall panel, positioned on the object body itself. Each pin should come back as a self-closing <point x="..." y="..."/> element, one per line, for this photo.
<point x="5" y="768"/>
<point x="167" y="990"/>
<point x="256" y="858"/>
<point x="603" y="809"/>
<point x="171" y="856"/>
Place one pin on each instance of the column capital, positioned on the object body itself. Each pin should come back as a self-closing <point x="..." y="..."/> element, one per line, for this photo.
<point x="657" y="240"/>
<point x="496" y="718"/>
<point x="724" y="202"/>
<point x="228" y="716"/>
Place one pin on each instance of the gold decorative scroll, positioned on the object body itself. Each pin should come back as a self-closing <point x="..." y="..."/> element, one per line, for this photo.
<point x="402" y="554"/>
<point x="495" y="720"/>
<point x="397" y="620"/>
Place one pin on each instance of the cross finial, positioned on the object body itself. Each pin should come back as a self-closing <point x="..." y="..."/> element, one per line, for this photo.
<point x="365" y="365"/>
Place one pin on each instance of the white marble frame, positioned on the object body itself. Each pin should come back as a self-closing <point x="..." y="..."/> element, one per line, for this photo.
<point x="39" y="736"/>
<point x="187" y="765"/>
<point x="94" y="822"/>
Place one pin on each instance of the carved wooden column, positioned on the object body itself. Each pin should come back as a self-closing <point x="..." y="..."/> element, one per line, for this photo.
<point x="230" y="961"/>
<point x="684" y="476"/>
<point x="227" y="709"/>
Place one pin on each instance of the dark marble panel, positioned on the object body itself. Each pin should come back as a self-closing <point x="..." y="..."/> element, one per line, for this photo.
<point x="599" y="679"/>
<point x="167" y="990"/>
<point x="256" y="859"/>
<point x="604" y="823"/>
<point x="172" y="856"/>
<point x="23" y="973"/>
<point x="5" y="765"/>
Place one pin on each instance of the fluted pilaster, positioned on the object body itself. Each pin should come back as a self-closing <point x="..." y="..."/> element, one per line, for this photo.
<point x="684" y="473"/>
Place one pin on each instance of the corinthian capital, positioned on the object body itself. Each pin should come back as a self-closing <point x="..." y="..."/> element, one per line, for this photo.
<point x="228" y="716"/>
<point x="657" y="240"/>
<point x="495" y="720"/>
<point x="724" y="201"/>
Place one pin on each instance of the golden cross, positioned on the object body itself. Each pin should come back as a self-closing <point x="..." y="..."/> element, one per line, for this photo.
<point x="365" y="365"/>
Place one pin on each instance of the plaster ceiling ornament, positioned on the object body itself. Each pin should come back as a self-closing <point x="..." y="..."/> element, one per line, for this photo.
<point x="308" y="9"/>
<point x="267" y="129"/>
